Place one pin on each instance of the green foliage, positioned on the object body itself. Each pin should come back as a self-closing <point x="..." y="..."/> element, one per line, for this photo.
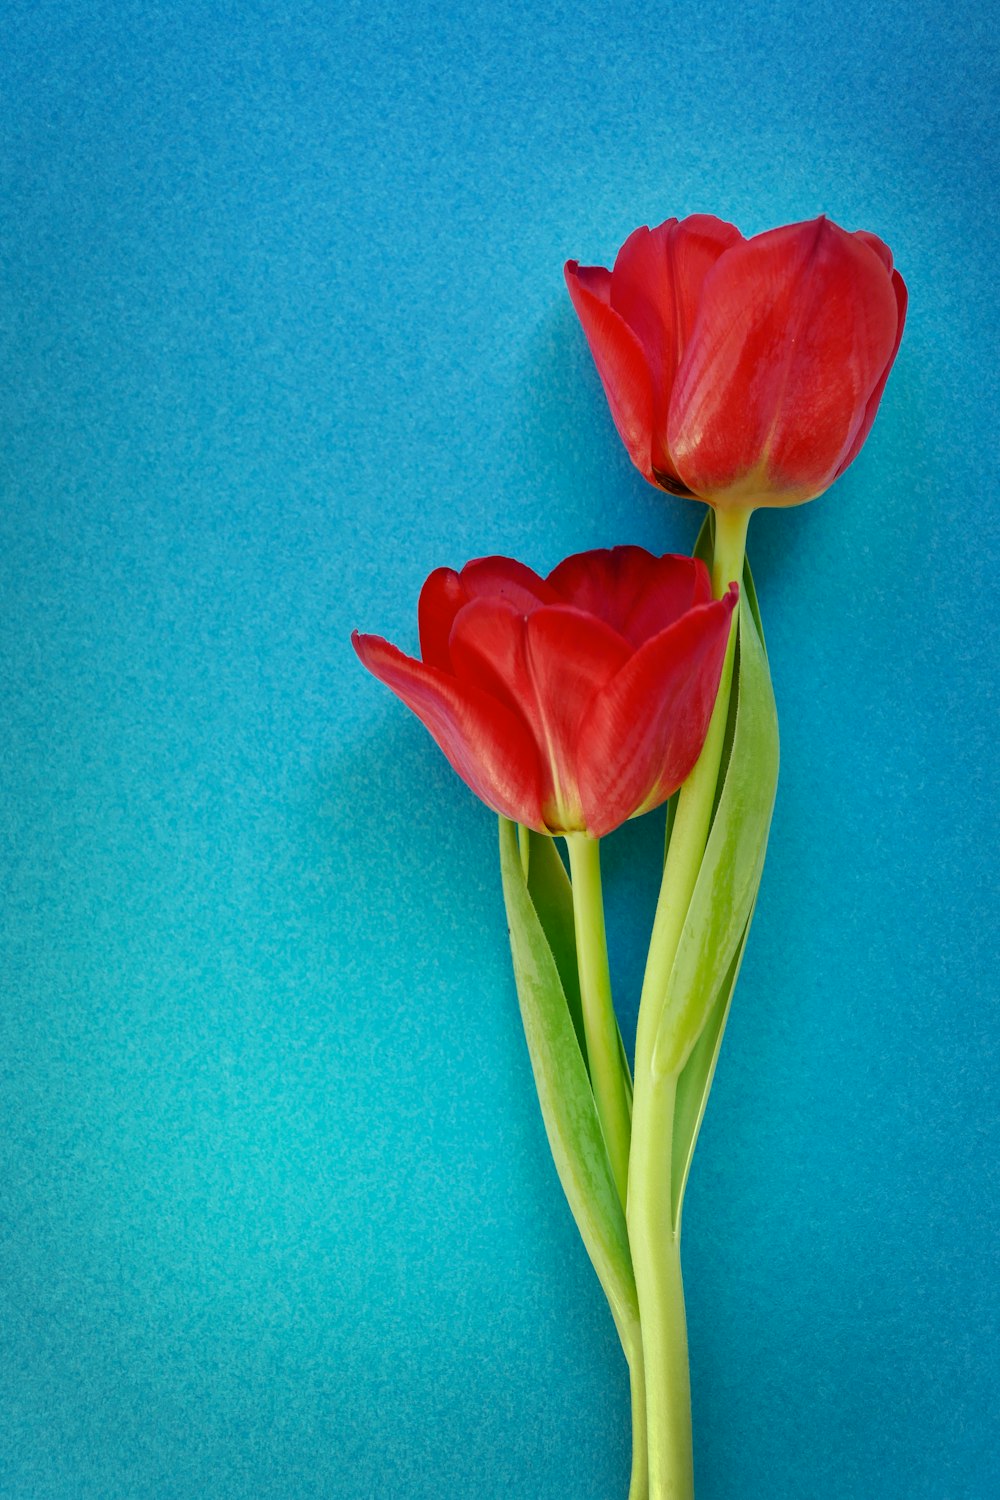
<point x="711" y="944"/>
<point x="734" y="856"/>
<point x="561" y="1079"/>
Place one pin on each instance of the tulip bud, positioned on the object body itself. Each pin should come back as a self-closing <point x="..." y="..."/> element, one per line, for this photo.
<point x="743" y="372"/>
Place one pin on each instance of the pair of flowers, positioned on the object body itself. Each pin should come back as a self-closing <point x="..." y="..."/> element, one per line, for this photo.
<point x="745" y="373"/>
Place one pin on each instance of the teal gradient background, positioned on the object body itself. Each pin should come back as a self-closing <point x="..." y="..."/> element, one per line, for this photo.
<point x="284" y="327"/>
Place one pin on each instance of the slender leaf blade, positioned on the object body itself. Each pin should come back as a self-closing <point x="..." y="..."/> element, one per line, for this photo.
<point x="704" y="542"/>
<point x="695" y="1081"/>
<point x="564" y="1093"/>
<point x="734" y="856"/>
<point x="550" y="890"/>
<point x="749" y="592"/>
<point x="552" y="897"/>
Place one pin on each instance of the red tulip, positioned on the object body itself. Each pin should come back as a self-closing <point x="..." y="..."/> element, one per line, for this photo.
<point x="568" y="703"/>
<point x="744" y="372"/>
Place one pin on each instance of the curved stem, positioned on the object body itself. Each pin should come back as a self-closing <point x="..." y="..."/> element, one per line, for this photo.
<point x="600" y="1027"/>
<point x="654" y="1237"/>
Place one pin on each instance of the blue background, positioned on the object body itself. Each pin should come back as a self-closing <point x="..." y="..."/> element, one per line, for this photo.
<point x="284" y="327"/>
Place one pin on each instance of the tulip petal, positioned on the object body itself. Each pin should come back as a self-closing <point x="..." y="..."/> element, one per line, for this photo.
<point x="547" y="666"/>
<point x="874" y="243"/>
<point x="794" y="331"/>
<point x="445" y="592"/>
<point x="628" y="588"/>
<point x="504" y="578"/>
<point x="488" y="651"/>
<point x="487" y="744"/>
<point x="595" y="279"/>
<point x="620" y="361"/>
<point x="656" y="286"/>
<point x="899" y="287"/>
<point x="572" y="656"/>
<point x="645" y="729"/>
<point x="441" y="597"/>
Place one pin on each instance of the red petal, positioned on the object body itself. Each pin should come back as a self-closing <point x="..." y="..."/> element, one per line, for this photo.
<point x="488" y="651"/>
<point x="620" y="363"/>
<point x="645" y="730"/>
<point x="794" y="331"/>
<point x="874" y="243"/>
<point x="503" y="578"/>
<point x="899" y="287"/>
<point x="441" y="597"/>
<point x="655" y="286"/>
<point x="546" y="666"/>
<point x="572" y="656"/>
<point x="628" y="588"/>
<point x="489" y="747"/>
<point x="445" y="591"/>
<point x="595" y="279"/>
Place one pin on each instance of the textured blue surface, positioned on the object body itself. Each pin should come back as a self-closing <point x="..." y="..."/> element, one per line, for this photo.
<point x="284" y="327"/>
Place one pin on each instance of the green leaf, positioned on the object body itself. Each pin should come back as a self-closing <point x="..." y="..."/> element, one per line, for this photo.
<point x="551" y="891"/>
<point x="734" y="855"/>
<point x="696" y="1080"/>
<point x="749" y="592"/>
<point x="552" y="895"/>
<point x="564" y="1092"/>
<point x="704" y="544"/>
<point x="703" y="549"/>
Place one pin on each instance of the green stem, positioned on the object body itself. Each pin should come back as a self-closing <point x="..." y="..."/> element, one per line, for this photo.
<point x="639" y="1482"/>
<point x="653" y="1235"/>
<point x="599" y="1024"/>
<point x="730" y="547"/>
<point x="657" y="1265"/>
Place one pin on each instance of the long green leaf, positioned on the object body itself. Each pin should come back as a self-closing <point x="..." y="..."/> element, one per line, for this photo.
<point x="550" y="890"/>
<point x="565" y="1096"/>
<point x="750" y="595"/>
<point x="704" y="542"/>
<point x="703" y="549"/>
<point x="696" y="1080"/>
<point x="734" y="856"/>
<point x="696" y="1077"/>
<point x="552" y="896"/>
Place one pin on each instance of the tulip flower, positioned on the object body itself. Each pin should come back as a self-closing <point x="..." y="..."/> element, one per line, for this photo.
<point x="569" y="703"/>
<point x="743" y="372"/>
